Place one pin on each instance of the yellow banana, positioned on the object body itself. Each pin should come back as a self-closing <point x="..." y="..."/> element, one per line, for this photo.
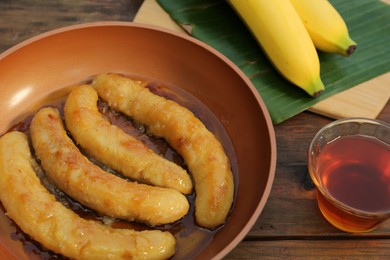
<point x="280" y="32"/>
<point x="325" y="25"/>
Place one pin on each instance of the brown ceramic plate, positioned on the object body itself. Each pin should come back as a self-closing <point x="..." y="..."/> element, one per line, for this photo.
<point x="35" y="69"/>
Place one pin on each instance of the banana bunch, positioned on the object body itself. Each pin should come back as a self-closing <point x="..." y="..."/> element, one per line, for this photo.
<point x="290" y="31"/>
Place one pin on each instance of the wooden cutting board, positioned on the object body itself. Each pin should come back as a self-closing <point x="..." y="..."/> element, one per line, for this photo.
<point x="364" y="100"/>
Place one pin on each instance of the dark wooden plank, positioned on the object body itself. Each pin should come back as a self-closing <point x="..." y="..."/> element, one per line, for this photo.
<point x="312" y="249"/>
<point x="22" y="19"/>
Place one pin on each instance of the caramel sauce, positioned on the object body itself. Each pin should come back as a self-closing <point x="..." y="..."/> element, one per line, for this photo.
<point x="190" y="238"/>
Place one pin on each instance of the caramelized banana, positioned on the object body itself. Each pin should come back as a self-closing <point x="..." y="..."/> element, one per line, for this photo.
<point x="202" y="152"/>
<point x="91" y="186"/>
<point x="110" y="145"/>
<point x="41" y="216"/>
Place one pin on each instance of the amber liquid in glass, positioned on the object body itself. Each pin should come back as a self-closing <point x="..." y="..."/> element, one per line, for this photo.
<point x="355" y="170"/>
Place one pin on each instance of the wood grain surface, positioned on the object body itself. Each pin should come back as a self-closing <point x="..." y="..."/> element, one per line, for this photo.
<point x="290" y="226"/>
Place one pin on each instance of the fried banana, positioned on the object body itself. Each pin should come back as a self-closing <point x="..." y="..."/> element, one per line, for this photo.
<point x="202" y="152"/>
<point x="41" y="216"/>
<point x="113" y="147"/>
<point x="95" y="188"/>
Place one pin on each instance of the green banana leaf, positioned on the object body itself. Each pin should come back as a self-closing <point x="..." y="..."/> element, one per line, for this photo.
<point x="215" y="23"/>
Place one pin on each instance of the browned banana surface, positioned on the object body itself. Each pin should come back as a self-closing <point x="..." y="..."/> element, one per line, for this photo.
<point x="202" y="152"/>
<point x="41" y="216"/>
<point x="97" y="189"/>
<point x="110" y="145"/>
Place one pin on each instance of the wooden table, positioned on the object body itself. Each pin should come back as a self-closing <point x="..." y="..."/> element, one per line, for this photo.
<point x="290" y="225"/>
